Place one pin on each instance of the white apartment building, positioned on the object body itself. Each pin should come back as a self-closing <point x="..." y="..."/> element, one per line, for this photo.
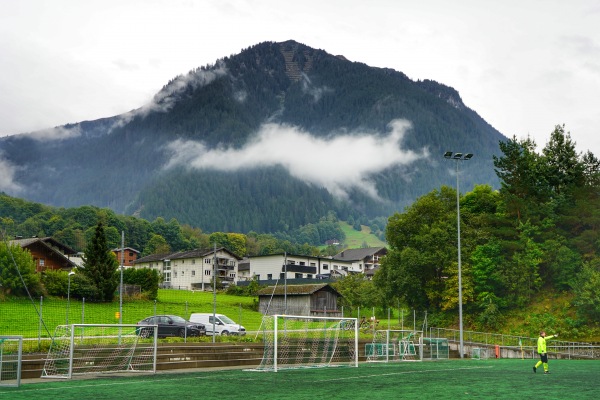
<point x="194" y="269"/>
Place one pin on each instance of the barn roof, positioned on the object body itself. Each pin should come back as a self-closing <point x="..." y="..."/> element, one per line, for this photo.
<point x="292" y="290"/>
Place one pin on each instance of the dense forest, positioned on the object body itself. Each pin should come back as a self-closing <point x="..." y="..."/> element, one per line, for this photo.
<point x="538" y="234"/>
<point x="120" y="162"/>
<point x="75" y="228"/>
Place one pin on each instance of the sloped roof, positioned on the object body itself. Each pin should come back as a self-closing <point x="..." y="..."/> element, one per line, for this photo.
<point x="292" y="290"/>
<point x="358" y="254"/>
<point x="196" y="253"/>
<point x="46" y="241"/>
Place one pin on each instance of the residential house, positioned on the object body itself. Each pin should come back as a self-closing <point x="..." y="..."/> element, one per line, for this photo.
<point x="364" y="260"/>
<point x="128" y="255"/>
<point x="48" y="253"/>
<point x="309" y="300"/>
<point x="193" y="269"/>
<point x="290" y="266"/>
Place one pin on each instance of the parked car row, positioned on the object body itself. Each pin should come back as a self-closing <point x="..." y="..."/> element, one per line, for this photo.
<point x="199" y="324"/>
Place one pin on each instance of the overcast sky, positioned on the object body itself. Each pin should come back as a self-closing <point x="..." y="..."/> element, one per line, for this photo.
<point x="523" y="65"/>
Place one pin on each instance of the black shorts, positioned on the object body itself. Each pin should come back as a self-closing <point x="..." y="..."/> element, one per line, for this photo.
<point x="544" y="357"/>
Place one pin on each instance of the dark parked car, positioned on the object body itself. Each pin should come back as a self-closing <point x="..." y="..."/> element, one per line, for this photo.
<point x="170" y="325"/>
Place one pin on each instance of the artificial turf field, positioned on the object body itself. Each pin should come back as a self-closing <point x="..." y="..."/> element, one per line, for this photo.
<point x="448" y="379"/>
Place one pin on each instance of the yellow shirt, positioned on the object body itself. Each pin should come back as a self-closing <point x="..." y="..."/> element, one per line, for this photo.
<point x="542" y="343"/>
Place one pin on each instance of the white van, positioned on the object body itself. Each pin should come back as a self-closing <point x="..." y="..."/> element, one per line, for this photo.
<point x="223" y="325"/>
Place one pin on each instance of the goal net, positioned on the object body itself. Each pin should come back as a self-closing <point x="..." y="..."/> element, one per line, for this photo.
<point x="97" y="348"/>
<point x="436" y="348"/>
<point x="395" y="345"/>
<point x="11" y="352"/>
<point x="479" y="353"/>
<point x="293" y="341"/>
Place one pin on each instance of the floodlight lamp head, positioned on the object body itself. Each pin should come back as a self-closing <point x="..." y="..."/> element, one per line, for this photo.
<point x="468" y="156"/>
<point x="71" y="273"/>
<point x="448" y="154"/>
<point x="457" y="156"/>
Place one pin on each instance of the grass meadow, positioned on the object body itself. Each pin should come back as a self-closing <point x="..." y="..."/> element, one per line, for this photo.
<point x="40" y="317"/>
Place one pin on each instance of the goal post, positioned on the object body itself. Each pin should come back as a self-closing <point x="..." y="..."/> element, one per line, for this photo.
<point x="293" y="341"/>
<point x="395" y="345"/>
<point x="11" y="353"/>
<point x="99" y="348"/>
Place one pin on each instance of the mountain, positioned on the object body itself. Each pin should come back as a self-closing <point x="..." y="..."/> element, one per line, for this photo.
<point x="268" y="139"/>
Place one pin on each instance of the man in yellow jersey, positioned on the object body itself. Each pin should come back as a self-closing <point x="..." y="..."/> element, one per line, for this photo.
<point x="541" y="349"/>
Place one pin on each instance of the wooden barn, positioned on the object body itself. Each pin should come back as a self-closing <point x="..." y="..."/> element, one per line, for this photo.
<point x="310" y="299"/>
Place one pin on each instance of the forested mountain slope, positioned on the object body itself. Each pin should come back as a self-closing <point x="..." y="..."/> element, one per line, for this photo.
<point x="260" y="141"/>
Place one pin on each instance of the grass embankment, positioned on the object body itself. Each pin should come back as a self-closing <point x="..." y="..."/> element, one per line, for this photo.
<point x="555" y="313"/>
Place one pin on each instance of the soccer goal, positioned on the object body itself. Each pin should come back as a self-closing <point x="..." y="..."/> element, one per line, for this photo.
<point x="395" y="345"/>
<point x="479" y="353"/>
<point x="293" y="341"/>
<point x="97" y="348"/>
<point x="11" y="353"/>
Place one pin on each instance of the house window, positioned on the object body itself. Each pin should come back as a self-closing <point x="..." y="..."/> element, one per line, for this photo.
<point x="269" y="276"/>
<point x="291" y="262"/>
<point x="193" y="272"/>
<point x="325" y="266"/>
<point x="182" y="273"/>
<point x="167" y="276"/>
<point x="298" y="276"/>
<point x="183" y="261"/>
<point x="282" y="275"/>
<point x="175" y="274"/>
<point x="42" y="262"/>
<point x="207" y="272"/>
<point x="309" y="276"/>
<point x="302" y="263"/>
<point x="312" y="264"/>
<point x="193" y="261"/>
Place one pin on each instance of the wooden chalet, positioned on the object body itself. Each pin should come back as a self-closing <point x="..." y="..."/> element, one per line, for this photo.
<point x="48" y="253"/>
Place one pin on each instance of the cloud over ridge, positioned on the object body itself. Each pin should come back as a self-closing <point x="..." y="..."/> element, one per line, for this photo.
<point x="339" y="163"/>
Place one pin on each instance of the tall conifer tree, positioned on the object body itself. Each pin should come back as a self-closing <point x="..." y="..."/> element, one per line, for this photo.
<point x="101" y="265"/>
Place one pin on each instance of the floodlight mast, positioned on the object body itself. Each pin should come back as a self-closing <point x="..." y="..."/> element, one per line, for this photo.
<point x="459" y="157"/>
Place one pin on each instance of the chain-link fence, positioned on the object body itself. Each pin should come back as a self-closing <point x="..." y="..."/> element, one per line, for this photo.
<point x="39" y="318"/>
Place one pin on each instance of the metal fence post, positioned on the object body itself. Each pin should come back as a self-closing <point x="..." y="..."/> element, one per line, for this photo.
<point x="40" y="323"/>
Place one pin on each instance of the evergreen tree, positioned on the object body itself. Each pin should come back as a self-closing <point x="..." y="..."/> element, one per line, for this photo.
<point x="100" y="264"/>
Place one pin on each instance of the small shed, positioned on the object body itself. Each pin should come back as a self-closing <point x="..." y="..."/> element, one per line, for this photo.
<point x="310" y="299"/>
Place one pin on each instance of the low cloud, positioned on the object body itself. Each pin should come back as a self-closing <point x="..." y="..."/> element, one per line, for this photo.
<point x="58" y="133"/>
<point x="164" y="100"/>
<point x="340" y="163"/>
<point x="7" y="176"/>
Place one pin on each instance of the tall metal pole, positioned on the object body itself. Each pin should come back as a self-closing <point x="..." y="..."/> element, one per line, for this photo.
<point x="121" y="283"/>
<point x="459" y="157"/>
<point x="69" y="296"/>
<point x="214" y="292"/>
<point x="460" y="314"/>
<point x="285" y="311"/>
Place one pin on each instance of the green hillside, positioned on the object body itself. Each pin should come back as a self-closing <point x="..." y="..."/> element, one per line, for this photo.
<point x="356" y="239"/>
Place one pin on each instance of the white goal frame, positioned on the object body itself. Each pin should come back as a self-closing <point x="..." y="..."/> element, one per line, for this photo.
<point x="300" y="341"/>
<point x="99" y="348"/>
<point x="395" y="345"/>
<point x="11" y="358"/>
